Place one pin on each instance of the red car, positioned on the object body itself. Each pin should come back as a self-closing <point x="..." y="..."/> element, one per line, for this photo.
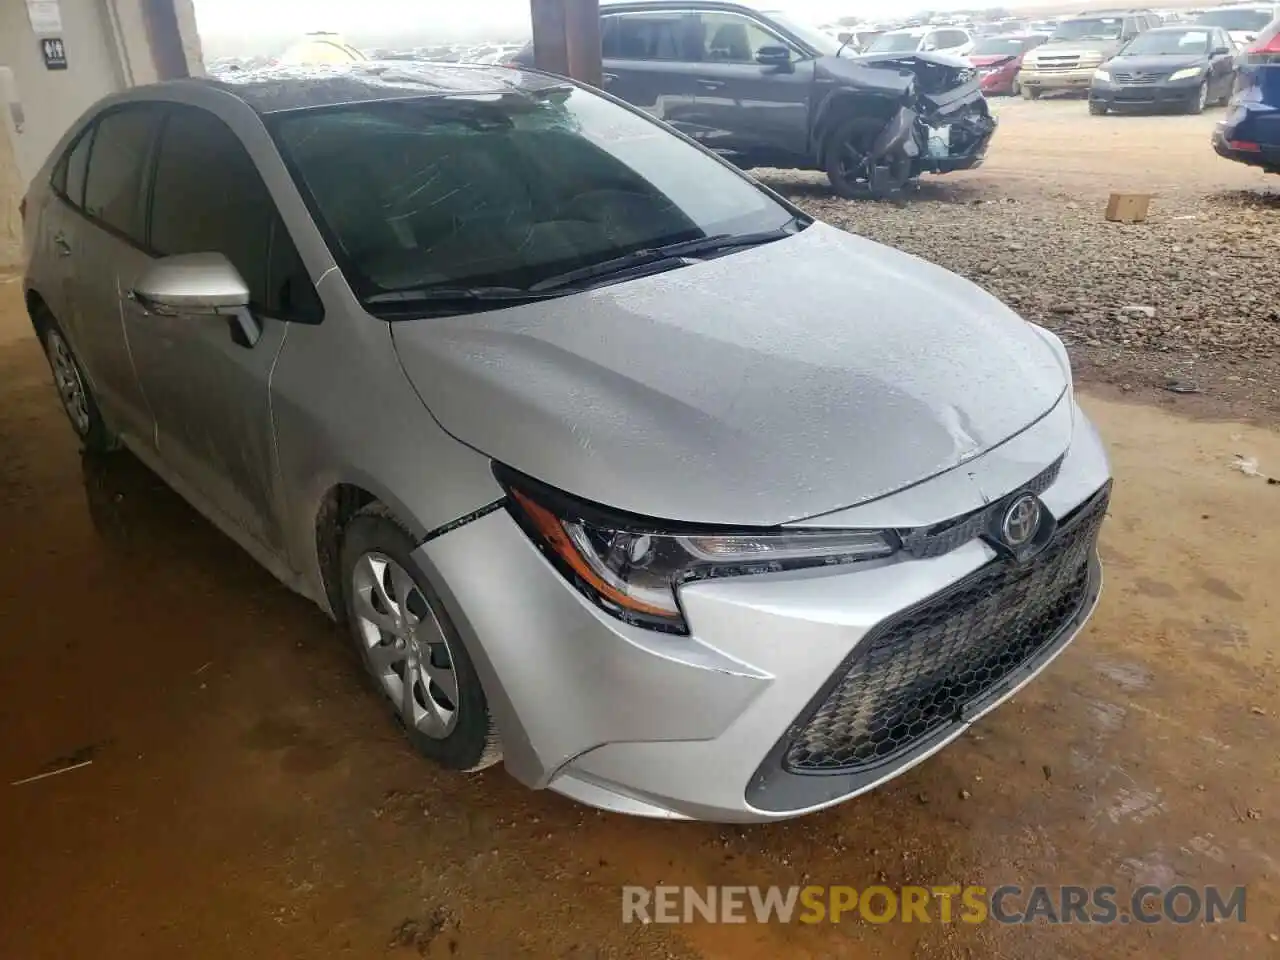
<point x="999" y="59"/>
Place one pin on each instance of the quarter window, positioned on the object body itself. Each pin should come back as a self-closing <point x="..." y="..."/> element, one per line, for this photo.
<point x="117" y="161"/>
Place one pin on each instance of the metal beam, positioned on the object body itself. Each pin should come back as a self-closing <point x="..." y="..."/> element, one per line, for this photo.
<point x="566" y="38"/>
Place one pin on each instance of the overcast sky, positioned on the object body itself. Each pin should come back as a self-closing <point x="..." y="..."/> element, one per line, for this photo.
<point x="449" y="19"/>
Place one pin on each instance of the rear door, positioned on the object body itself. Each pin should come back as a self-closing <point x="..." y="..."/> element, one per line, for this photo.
<point x="209" y="389"/>
<point x="647" y="58"/>
<point x="745" y="107"/>
<point x="105" y="248"/>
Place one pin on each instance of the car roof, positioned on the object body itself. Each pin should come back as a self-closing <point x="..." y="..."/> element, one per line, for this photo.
<point x="282" y="88"/>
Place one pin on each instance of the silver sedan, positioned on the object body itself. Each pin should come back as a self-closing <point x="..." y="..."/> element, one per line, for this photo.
<point x="617" y="466"/>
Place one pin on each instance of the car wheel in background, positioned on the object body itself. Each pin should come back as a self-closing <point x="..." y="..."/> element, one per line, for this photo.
<point x="74" y="392"/>
<point x="1198" y="102"/>
<point x="846" y="160"/>
<point x="410" y="648"/>
<point x="1097" y="108"/>
<point x="1031" y="93"/>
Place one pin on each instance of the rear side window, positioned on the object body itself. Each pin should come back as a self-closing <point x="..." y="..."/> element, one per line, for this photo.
<point x="208" y="197"/>
<point x="651" y="36"/>
<point x="117" y="169"/>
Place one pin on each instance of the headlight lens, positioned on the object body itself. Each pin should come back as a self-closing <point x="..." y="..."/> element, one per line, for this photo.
<point x="1187" y="74"/>
<point x="631" y="567"/>
<point x="1102" y="75"/>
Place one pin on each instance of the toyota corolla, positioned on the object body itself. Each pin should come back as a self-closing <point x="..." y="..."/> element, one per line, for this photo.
<point x="615" y="465"/>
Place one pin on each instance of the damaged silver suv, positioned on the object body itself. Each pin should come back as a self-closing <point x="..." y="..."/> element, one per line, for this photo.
<point x="762" y="90"/>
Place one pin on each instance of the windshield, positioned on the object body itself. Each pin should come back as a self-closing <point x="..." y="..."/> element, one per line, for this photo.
<point x="999" y="46"/>
<point x="1167" y="44"/>
<point x="895" y="43"/>
<point x="504" y="190"/>
<point x="1242" y="21"/>
<point x="824" y="44"/>
<point x="1097" y="28"/>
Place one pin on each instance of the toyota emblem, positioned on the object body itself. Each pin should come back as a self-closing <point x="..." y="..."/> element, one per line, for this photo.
<point x="1021" y="521"/>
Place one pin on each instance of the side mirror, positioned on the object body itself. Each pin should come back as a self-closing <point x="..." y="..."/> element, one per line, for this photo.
<point x="774" y="56"/>
<point x="198" y="283"/>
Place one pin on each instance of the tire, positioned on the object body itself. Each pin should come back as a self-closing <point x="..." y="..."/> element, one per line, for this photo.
<point x="445" y="715"/>
<point x="1197" y="104"/>
<point x="1097" y="109"/>
<point x="855" y="137"/>
<point x="78" y="402"/>
<point x="1031" y="93"/>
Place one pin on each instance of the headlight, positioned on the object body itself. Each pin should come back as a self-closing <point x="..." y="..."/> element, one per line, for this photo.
<point x="1187" y="74"/>
<point x="1102" y="75"/>
<point x="631" y="567"/>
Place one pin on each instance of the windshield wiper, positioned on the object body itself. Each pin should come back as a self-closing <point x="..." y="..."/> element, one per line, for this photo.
<point x="716" y="243"/>
<point x="454" y="295"/>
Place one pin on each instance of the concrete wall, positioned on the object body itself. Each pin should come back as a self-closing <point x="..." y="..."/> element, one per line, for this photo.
<point x="110" y="45"/>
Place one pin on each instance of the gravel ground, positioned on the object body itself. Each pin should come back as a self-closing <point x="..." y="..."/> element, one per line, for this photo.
<point x="1188" y="302"/>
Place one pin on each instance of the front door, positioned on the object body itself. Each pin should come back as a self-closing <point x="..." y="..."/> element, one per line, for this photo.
<point x="745" y="107"/>
<point x="209" y="388"/>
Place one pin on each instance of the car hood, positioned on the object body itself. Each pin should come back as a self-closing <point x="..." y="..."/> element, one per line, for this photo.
<point x="1157" y="65"/>
<point x="1068" y="47"/>
<point x="766" y="386"/>
<point x="992" y="59"/>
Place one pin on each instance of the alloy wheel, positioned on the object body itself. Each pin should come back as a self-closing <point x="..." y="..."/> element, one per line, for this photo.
<point x="405" y="646"/>
<point x="66" y="376"/>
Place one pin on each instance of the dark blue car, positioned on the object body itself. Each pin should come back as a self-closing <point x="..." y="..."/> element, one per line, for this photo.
<point x="1250" y="133"/>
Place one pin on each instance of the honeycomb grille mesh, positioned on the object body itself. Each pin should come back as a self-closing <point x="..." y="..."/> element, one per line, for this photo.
<point x="917" y="672"/>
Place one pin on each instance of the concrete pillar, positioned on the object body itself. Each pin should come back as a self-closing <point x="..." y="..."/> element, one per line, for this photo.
<point x="566" y="38"/>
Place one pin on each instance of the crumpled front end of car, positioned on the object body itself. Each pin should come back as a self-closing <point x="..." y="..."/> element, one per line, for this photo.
<point x="796" y="689"/>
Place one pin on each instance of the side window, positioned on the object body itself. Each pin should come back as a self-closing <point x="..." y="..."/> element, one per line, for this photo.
<point x="209" y="197"/>
<point x="117" y="165"/>
<point x="77" y="167"/>
<point x="731" y="38"/>
<point x="650" y="36"/>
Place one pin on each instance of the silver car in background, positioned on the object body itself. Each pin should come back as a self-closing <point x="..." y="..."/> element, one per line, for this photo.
<point x="616" y="465"/>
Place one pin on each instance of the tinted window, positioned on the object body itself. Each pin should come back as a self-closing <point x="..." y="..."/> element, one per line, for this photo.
<point x="651" y="36"/>
<point x="77" y="167"/>
<point x="469" y="192"/>
<point x="117" y="164"/>
<point x="730" y="38"/>
<point x="209" y="197"/>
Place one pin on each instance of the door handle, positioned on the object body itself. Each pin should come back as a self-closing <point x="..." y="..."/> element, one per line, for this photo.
<point x="608" y="78"/>
<point x="61" y="244"/>
<point x="711" y="84"/>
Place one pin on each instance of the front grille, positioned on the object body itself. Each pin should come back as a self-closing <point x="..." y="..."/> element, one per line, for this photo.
<point x="1057" y="64"/>
<point x="1135" y="79"/>
<point x="918" y="671"/>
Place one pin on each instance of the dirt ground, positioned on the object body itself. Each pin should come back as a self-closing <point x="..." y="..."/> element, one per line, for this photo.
<point x="246" y="798"/>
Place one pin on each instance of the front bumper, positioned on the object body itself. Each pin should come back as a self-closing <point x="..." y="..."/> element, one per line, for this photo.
<point x="1163" y="93"/>
<point x="699" y="727"/>
<point x="1080" y="79"/>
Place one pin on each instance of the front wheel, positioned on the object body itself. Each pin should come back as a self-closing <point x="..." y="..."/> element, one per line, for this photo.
<point x="1197" y="104"/>
<point x="848" y="167"/>
<point x="1097" y="109"/>
<point x="1031" y="93"/>
<point x="410" y="647"/>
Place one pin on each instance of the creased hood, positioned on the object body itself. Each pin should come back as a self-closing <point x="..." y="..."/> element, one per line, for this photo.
<point x="767" y="386"/>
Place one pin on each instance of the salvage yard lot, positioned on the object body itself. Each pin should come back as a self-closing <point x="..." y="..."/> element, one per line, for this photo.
<point x="248" y="799"/>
